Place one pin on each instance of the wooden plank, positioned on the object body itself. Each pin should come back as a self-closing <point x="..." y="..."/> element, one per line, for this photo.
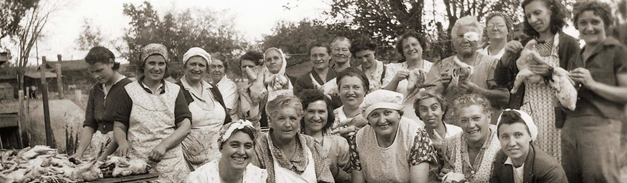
<point x="8" y="120"/>
<point x="128" y="179"/>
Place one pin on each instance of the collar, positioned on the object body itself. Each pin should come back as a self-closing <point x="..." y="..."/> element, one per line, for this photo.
<point x="509" y="161"/>
<point x="160" y="89"/>
<point x="608" y="42"/>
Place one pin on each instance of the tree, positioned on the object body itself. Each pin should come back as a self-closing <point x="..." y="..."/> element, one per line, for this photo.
<point x="89" y="37"/>
<point x="12" y="13"/>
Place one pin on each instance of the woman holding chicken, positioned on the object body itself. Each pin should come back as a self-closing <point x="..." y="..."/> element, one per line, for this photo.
<point x="543" y="22"/>
<point x="468" y="71"/>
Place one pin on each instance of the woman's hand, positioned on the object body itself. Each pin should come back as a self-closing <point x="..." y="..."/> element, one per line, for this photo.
<point x="443" y="173"/>
<point x="514" y="46"/>
<point x="468" y="86"/>
<point x="123" y="149"/>
<point x="582" y="75"/>
<point x="157" y="153"/>
<point x="540" y="69"/>
<point x="400" y="75"/>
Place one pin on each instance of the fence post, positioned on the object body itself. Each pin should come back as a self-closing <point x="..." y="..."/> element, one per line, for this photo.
<point x="59" y="79"/>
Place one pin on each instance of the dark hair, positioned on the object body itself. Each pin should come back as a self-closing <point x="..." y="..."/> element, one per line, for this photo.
<point x="558" y="17"/>
<point x="354" y="71"/>
<point x="508" y="22"/>
<point x="511" y="117"/>
<point x="309" y="96"/>
<point x="402" y="38"/>
<point x="361" y="45"/>
<point x="249" y="131"/>
<point x="253" y="56"/>
<point x="99" y="54"/>
<point x="221" y="57"/>
<point x="320" y="45"/>
<point x="600" y="9"/>
<point x="428" y="95"/>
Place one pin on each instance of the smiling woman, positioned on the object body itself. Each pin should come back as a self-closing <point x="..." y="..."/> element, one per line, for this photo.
<point x="236" y="143"/>
<point x="287" y="155"/>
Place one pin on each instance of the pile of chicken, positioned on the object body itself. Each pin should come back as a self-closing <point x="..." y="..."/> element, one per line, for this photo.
<point x="44" y="164"/>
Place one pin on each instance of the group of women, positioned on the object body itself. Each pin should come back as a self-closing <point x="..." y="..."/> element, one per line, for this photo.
<point x="459" y="123"/>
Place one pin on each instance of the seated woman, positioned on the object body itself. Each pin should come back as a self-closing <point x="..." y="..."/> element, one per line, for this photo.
<point x="316" y="123"/>
<point x="471" y="153"/>
<point x="207" y="107"/>
<point x="519" y="160"/>
<point x="152" y="118"/>
<point x="452" y="78"/>
<point x="391" y="148"/>
<point x="97" y="132"/>
<point x="353" y="86"/>
<point x="237" y="146"/>
<point x="287" y="155"/>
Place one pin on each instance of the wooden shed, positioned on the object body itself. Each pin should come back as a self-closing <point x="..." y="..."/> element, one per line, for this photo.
<point x="6" y="91"/>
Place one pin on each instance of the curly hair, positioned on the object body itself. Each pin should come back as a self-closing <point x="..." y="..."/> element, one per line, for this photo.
<point x="310" y="96"/>
<point x="600" y="9"/>
<point x="558" y="17"/>
<point x="428" y="95"/>
<point x="355" y="72"/>
<point x="402" y="38"/>
<point x="99" y="54"/>
<point x="469" y="100"/>
<point x="281" y="102"/>
<point x="361" y="45"/>
<point x="222" y="57"/>
<point x="508" y="22"/>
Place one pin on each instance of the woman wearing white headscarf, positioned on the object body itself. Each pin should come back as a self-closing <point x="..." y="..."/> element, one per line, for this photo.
<point x="237" y="145"/>
<point x="207" y="106"/>
<point x="275" y="79"/>
<point x="390" y="148"/>
<point x="519" y="160"/>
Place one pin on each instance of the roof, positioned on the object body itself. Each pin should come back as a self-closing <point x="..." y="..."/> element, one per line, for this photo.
<point x="37" y="75"/>
<point x="68" y="65"/>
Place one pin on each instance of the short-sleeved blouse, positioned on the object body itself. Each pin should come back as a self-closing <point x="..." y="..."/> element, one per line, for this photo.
<point x="411" y="147"/>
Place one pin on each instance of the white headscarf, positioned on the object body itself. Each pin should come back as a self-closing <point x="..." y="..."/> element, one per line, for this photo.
<point x="379" y="99"/>
<point x="533" y="129"/>
<point x="283" y="60"/>
<point x="196" y="51"/>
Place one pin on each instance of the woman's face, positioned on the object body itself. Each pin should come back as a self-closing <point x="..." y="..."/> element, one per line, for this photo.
<point x="316" y="116"/>
<point x="285" y="124"/>
<point x="384" y="121"/>
<point x="474" y="123"/>
<point x="195" y="69"/>
<point x="274" y="61"/>
<point x="431" y="112"/>
<point x="538" y="15"/>
<point x="247" y="64"/>
<point x="497" y="28"/>
<point x="217" y="70"/>
<point x="591" y="28"/>
<point x="340" y="51"/>
<point x="412" y="48"/>
<point x="352" y="91"/>
<point x="366" y="58"/>
<point x="238" y="150"/>
<point x="101" y="72"/>
<point x="515" y="140"/>
<point x="463" y="45"/>
<point x="154" y="68"/>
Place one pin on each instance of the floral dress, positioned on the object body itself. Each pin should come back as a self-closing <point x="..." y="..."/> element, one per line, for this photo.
<point x="540" y="103"/>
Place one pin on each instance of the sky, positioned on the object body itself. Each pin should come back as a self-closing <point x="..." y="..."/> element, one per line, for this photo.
<point x="252" y="18"/>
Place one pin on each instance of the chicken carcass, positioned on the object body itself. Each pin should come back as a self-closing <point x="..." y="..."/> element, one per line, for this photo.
<point x="528" y="56"/>
<point x="564" y="88"/>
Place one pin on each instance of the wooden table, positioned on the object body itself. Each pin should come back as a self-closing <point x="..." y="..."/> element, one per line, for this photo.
<point x="129" y="179"/>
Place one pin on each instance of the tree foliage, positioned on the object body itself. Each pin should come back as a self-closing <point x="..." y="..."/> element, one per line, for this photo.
<point x="90" y="36"/>
<point x="12" y="13"/>
<point x="295" y="39"/>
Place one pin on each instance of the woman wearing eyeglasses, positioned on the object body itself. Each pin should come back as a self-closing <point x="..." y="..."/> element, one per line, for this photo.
<point x="498" y="26"/>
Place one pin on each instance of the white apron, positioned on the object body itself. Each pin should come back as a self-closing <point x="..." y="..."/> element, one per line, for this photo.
<point x="151" y="121"/>
<point x="282" y="175"/>
<point x="201" y="146"/>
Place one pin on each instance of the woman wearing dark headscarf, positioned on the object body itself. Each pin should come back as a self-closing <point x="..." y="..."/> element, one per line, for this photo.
<point x="152" y="118"/>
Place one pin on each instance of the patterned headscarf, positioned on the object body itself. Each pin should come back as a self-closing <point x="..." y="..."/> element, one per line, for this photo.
<point x="196" y="51"/>
<point x="154" y="49"/>
<point x="227" y="130"/>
